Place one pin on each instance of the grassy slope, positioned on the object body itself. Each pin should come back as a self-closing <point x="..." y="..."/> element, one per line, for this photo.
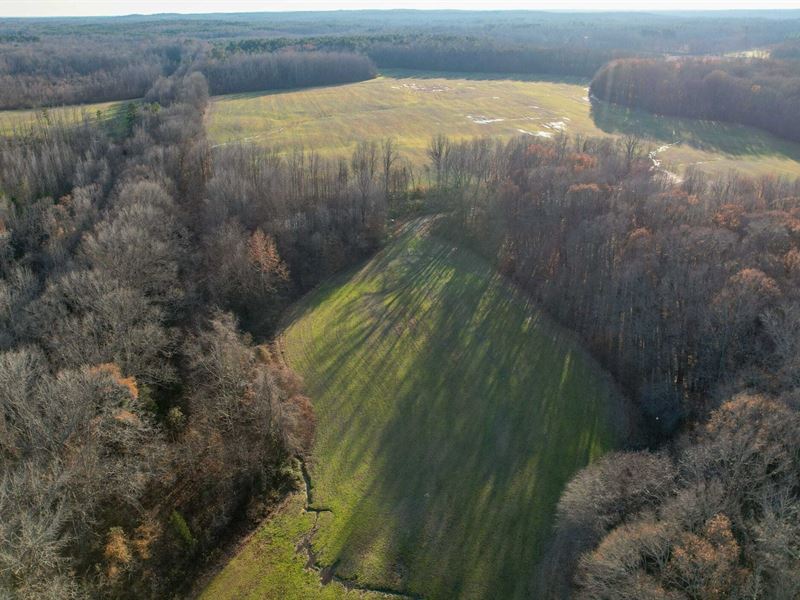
<point x="450" y="414"/>
<point x="412" y="106"/>
<point x="269" y="566"/>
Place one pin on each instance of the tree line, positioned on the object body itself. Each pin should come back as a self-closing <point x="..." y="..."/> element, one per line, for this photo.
<point x="486" y="57"/>
<point x="688" y="292"/>
<point x="670" y="33"/>
<point x="77" y="72"/>
<point x="443" y="53"/>
<point x="145" y="414"/>
<point x="788" y="50"/>
<point x="755" y="92"/>
<point x="56" y="61"/>
<point x="283" y="70"/>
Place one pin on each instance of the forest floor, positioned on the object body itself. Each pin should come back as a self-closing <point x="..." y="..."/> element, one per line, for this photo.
<point x="450" y="414"/>
<point x="413" y="106"/>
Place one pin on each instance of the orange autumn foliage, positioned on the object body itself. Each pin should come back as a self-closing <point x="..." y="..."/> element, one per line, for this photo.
<point x="114" y="371"/>
<point x="706" y="564"/>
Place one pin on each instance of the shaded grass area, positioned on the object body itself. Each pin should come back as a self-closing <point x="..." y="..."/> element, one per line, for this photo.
<point x="450" y="412"/>
<point x="710" y="145"/>
<point x="412" y="106"/>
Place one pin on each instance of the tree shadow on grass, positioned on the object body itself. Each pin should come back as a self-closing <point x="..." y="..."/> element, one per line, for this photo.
<point x="471" y="411"/>
<point x="479" y="76"/>
<point x="711" y="136"/>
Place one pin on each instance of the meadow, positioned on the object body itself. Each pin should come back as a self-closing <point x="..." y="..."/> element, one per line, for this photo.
<point x="17" y="120"/>
<point x="413" y="106"/>
<point x="450" y="414"/>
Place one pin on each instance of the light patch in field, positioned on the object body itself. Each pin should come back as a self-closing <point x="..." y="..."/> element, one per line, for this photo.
<point x="484" y="120"/>
<point x="654" y="154"/>
<point x="556" y="125"/>
<point x="539" y="134"/>
<point x="421" y="88"/>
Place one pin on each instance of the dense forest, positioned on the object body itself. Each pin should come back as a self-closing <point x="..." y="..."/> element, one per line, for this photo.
<point x="688" y="293"/>
<point x="46" y="74"/>
<point x="443" y="53"/>
<point x="141" y="420"/>
<point x="482" y="57"/>
<point x="760" y="93"/>
<point x="282" y="70"/>
<point x="67" y="61"/>
<point x="678" y="32"/>
<point x="789" y="50"/>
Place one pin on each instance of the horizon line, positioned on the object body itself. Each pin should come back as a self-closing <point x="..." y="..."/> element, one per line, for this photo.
<point x="419" y="10"/>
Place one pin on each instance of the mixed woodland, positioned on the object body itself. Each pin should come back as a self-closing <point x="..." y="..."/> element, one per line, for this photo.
<point x="686" y="292"/>
<point x="148" y="416"/>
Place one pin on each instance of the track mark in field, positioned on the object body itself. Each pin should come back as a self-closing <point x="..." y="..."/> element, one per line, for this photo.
<point x="653" y="156"/>
<point x="328" y="574"/>
<point x="484" y="120"/>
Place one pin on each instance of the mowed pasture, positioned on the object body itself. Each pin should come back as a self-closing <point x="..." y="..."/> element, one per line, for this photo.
<point x="450" y="414"/>
<point x="414" y="106"/>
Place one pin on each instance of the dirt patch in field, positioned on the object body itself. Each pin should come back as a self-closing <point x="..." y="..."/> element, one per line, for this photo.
<point x="415" y="87"/>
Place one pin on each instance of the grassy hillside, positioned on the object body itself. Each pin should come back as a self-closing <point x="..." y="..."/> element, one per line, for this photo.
<point x="450" y="412"/>
<point x="272" y="564"/>
<point x="412" y="106"/>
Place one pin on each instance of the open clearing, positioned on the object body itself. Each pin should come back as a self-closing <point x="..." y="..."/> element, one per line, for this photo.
<point x="11" y="120"/>
<point x="450" y="412"/>
<point x="413" y="106"/>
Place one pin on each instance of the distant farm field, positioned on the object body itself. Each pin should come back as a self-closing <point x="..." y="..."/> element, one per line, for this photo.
<point x="414" y="106"/>
<point x="451" y="412"/>
<point x="11" y="120"/>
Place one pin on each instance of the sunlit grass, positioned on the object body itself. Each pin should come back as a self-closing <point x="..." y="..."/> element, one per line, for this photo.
<point x="21" y="120"/>
<point x="413" y="106"/>
<point x="269" y="565"/>
<point x="450" y="413"/>
<point x="407" y="105"/>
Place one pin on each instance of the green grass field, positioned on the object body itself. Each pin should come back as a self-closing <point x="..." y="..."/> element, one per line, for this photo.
<point x="450" y="412"/>
<point x="11" y="120"/>
<point x="270" y="565"/>
<point x="413" y="106"/>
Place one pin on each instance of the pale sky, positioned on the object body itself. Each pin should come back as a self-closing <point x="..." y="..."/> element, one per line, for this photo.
<point x="34" y="8"/>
